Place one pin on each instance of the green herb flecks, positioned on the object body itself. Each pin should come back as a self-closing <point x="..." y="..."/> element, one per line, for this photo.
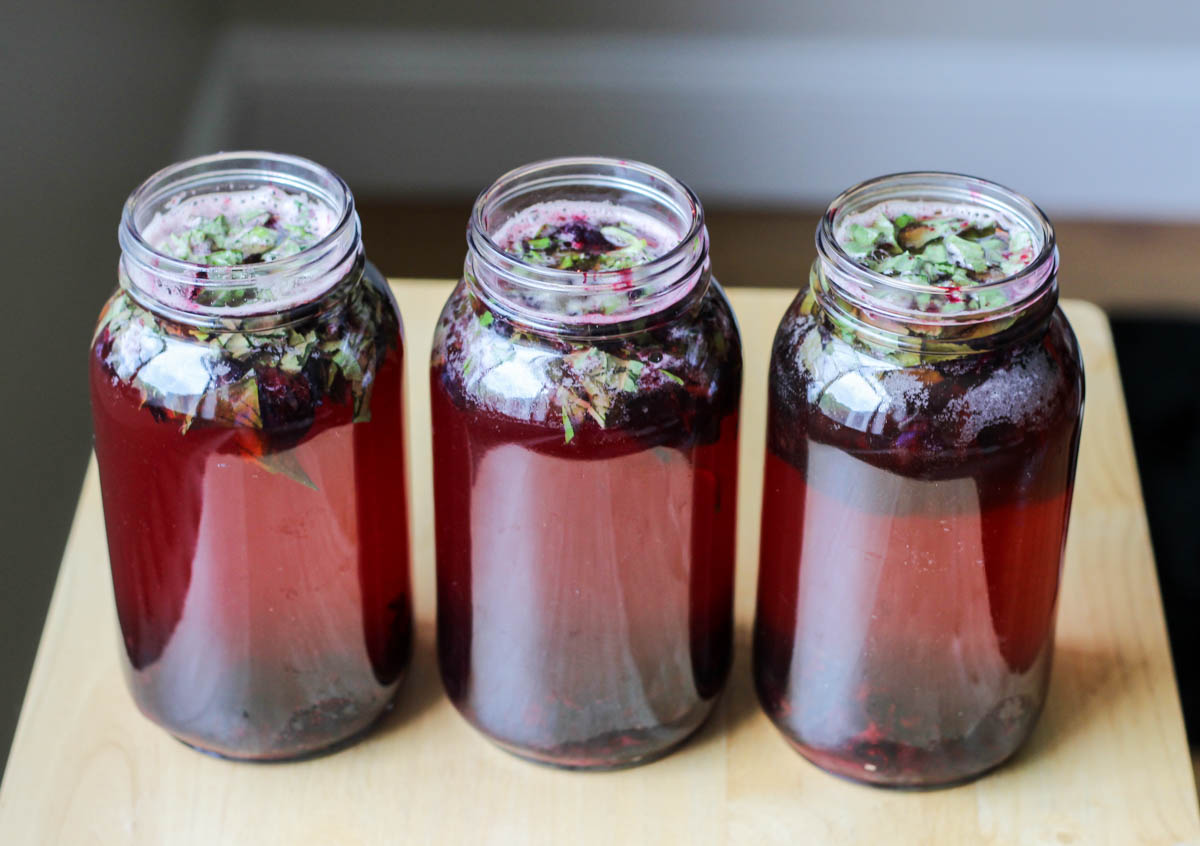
<point x="257" y="236"/>
<point x="943" y="252"/>
<point x="585" y="386"/>
<point x="584" y="246"/>
<point x="568" y="429"/>
<point x="865" y="240"/>
<point x="591" y="380"/>
<point x="284" y="463"/>
<point x="903" y="345"/>
<point x="260" y="382"/>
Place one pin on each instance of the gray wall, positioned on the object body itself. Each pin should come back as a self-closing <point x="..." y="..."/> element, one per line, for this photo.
<point x="93" y="99"/>
<point x="1036" y="21"/>
<point x="1086" y="128"/>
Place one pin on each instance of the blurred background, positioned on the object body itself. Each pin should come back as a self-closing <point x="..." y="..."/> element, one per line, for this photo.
<point x="768" y="109"/>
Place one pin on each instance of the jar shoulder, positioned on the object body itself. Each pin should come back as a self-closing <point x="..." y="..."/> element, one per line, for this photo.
<point x="825" y="385"/>
<point x="686" y="367"/>
<point x="235" y="375"/>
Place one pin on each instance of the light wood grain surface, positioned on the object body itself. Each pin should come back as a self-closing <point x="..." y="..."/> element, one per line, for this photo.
<point x="1108" y="762"/>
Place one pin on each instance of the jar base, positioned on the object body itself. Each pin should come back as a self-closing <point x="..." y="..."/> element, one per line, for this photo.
<point x="306" y="754"/>
<point x="580" y="761"/>
<point x="862" y="772"/>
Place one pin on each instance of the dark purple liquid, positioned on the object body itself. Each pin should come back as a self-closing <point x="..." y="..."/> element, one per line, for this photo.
<point x="909" y="573"/>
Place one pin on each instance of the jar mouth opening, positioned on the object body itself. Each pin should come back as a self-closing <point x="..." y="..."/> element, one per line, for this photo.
<point x="1023" y="287"/>
<point x="561" y="178"/>
<point x="229" y="171"/>
<point x="201" y="294"/>
<point x="589" y="302"/>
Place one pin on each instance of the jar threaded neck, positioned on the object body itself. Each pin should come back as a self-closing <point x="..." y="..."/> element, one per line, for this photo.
<point x="589" y="302"/>
<point x="263" y="293"/>
<point x="925" y="317"/>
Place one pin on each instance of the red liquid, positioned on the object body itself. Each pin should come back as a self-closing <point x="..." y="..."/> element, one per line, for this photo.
<point x="583" y="597"/>
<point x="262" y="619"/>
<point x="585" y="586"/>
<point x="907" y="590"/>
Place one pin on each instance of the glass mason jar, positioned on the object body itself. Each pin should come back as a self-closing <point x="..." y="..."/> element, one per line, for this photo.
<point x="585" y="380"/>
<point x="246" y="382"/>
<point x="925" y="403"/>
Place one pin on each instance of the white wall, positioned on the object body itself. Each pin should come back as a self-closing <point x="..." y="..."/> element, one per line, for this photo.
<point x="1090" y="107"/>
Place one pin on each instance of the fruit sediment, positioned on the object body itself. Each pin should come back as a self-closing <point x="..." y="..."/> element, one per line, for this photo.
<point x="914" y="516"/>
<point x="248" y="478"/>
<point x="585" y="502"/>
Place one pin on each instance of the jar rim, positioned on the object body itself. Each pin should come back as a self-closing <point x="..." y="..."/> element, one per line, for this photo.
<point x="659" y="282"/>
<point x="147" y="269"/>
<point x="524" y="179"/>
<point x="1028" y="284"/>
